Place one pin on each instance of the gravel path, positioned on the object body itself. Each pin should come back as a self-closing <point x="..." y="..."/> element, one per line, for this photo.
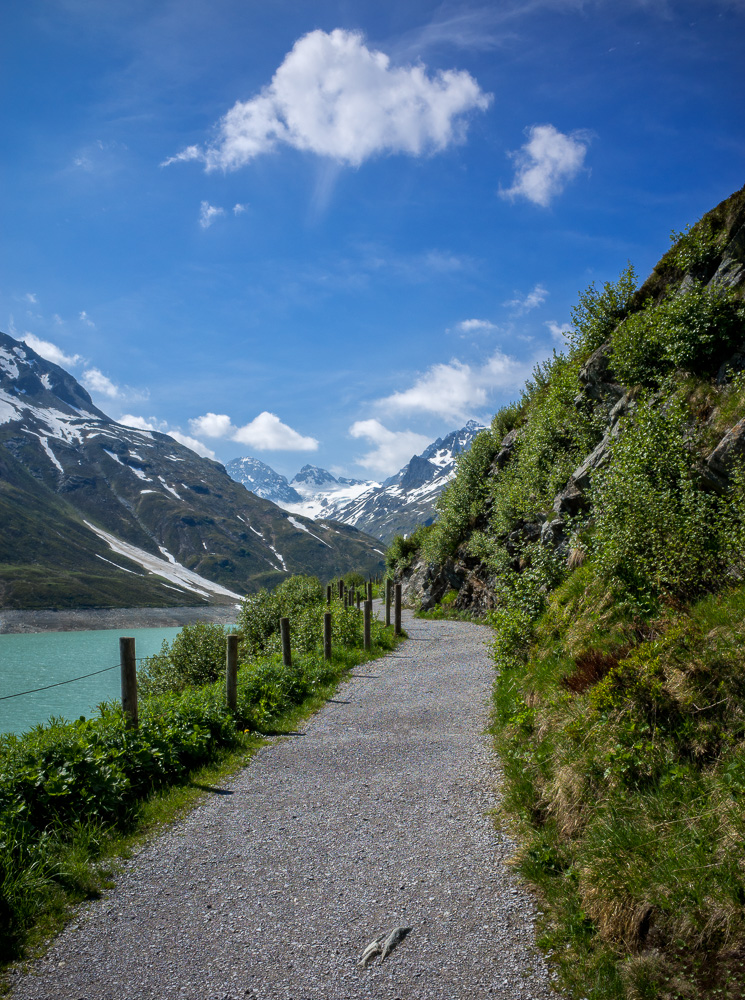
<point x="376" y="816"/>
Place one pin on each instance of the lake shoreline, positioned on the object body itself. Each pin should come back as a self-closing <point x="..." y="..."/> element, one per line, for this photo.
<point x="90" y="619"/>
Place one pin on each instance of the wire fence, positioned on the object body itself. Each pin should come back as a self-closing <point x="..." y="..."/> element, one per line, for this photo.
<point x="70" y="680"/>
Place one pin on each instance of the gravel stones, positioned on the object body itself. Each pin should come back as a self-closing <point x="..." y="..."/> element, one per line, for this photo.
<point x="376" y="817"/>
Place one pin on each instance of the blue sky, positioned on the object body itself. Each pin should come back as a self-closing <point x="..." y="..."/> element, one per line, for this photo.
<point x="330" y="232"/>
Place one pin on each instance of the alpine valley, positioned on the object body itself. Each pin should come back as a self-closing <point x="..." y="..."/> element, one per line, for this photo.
<point x="394" y="507"/>
<point x="97" y="514"/>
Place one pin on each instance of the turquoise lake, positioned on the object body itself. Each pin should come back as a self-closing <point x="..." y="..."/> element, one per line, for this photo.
<point x="34" y="660"/>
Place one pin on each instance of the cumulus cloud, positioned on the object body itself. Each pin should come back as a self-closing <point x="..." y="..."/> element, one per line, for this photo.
<point x="392" y="450"/>
<point x="46" y="349"/>
<point x="141" y="423"/>
<point x="95" y="381"/>
<point x="190" y="442"/>
<point x="522" y="304"/>
<point x="266" y="432"/>
<point x="546" y="163"/>
<point x="208" y="213"/>
<point x="458" y="390"/>
<point x="213" y="425"/>
<point x="337" y="98"/>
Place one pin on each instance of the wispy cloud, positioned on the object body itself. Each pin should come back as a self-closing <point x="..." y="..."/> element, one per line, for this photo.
<point x="30" y="297"/>
<point x="468" y="326"/>
<point x="558" y="332"/>
<point x="335" y="97"/>
<point x="95" y="381"/>
<point x="522" y="304"/>
<point x="392" y="450"/>
<point x="239" y="209"/>
<point x="546" y="164"/>
<point x="46" y="349"/>
<point x="208" y="213"/>
<point x="266" y="432"/>
<point x="85" y="318"/>
<point x="457" y="390"/>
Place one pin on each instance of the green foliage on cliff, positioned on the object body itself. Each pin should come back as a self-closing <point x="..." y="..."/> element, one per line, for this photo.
<point x="619" y="705"/>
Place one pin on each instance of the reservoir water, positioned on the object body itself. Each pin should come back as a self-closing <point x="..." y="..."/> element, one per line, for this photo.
<point x="38" y="659"/>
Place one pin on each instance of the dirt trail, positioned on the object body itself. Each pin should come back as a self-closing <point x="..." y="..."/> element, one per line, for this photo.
<point x="376" y="816"/>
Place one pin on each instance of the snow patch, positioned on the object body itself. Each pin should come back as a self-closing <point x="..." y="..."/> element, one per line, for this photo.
<point x="166" y="568"/>
<point x="169" y="488"/>
<point x="303" y="528"/>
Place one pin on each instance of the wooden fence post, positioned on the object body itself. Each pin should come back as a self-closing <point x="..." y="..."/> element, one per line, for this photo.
<point x="328" y="595"/>
<point x="397" y="610"/>
<point x="368" y="616"/>
<point x="231" y="672"/>
<point x="341" y="589"/>
<point x="388" y="596"/>
<point x="284" y="628"/>
<point x="128" y="663"/>
<point x="327" y="635"/>
<point x="369" y="590"/>
<point x="358" y="600"/>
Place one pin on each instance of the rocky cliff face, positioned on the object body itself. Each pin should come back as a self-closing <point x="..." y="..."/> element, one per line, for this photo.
<point x="612" y="403"/>
<point x="94" y="513"/>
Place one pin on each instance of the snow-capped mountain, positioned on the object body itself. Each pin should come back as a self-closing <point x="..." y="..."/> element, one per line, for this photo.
<point x="96" y="514"/>
<point x="394" y="507"/>
<point x="262" y="480"/>
<point x="323" y="495"/>
<point x="406" y="500"/>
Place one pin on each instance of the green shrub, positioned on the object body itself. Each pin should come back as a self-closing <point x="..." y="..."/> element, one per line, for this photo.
<point x="597" y="313"/>
<point x="195" y="657"/>
<point x="693" y="330"/>
<point x="656" y="530"/>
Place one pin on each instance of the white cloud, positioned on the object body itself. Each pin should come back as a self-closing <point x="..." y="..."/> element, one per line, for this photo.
<point x="475" y="326"/>
<point x="265" y="432"/>
<point x="30" y="297"/>
<point x="141" y="423"/>
<point x="95" y="381"/>
<point x="84" y="317"/>
<point x="521" y="305"/>
<point x="558" y="331"/>
<point x="239" y="209"/>
<point x="458" y="390"/>
<point x="51" y="352"/>
<point x="190" y="442"/>
<point x="208" y="213"/>
<point x="393" y="448"/>
<point x="213" y="425"/>
<point x="335" y="97"/>
<point x="546" y="163"/>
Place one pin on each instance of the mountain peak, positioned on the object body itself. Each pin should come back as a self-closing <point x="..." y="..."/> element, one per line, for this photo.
<point x="312" y="475"/>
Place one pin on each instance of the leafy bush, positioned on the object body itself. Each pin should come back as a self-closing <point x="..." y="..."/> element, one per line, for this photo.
<point x="460" y="503"/>
<point x="195" y="657"/>
<point x="597" y="313"/>
<point x="656" y="530"/>
<point x="258" y="618"/>
<point x="693" y="330"/>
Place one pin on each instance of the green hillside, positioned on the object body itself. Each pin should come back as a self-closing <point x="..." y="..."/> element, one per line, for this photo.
<point x="599" y="527"/>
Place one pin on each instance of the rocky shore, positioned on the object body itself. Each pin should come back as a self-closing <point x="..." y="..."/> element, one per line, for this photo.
<point x="83" y="619"/>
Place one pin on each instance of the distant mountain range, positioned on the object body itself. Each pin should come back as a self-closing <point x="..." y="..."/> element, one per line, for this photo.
<point x="395" y="507"/>
<point x="96" y="514"/>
